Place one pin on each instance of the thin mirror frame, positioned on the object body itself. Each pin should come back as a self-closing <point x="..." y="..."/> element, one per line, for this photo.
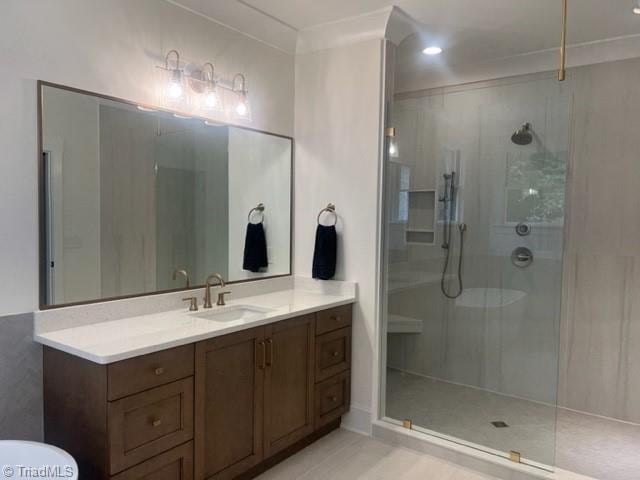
<point x="42" y="221"/>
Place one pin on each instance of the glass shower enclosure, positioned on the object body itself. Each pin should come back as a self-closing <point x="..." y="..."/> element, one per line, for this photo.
<point x="474" y="193"/>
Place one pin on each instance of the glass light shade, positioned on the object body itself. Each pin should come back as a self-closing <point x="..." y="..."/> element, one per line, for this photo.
<point x="211" y="99"/>
<point x="242" y="109"/>
<point x="174" y="91"/>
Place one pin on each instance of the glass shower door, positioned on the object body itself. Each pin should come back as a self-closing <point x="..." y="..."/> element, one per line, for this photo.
<point x="477" y="365"/>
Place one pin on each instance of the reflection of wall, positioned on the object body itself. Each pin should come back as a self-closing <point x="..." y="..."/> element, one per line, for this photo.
<point x="192" y="191"/>
<point x="259" y="172"/>
<point x="128" y="202"/>
<point x="72" y="122"/>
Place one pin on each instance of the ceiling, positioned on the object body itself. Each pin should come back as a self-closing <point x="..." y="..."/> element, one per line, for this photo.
<point x="471" y="28"/>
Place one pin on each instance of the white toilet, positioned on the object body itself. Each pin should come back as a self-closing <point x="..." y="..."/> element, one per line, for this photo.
<point x="21" y="459"/>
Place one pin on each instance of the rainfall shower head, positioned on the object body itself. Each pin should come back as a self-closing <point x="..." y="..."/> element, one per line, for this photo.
<point x="523" y="135"/>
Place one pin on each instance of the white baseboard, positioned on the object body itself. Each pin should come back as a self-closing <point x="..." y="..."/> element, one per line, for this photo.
<point x="358" y="420"/>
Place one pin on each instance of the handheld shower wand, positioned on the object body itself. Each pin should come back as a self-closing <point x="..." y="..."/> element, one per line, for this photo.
<point x="449" y="200"/>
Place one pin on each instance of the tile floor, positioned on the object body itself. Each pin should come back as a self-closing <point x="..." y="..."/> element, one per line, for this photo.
<point x="593" y="446"/>
<point x="343" y="455"/>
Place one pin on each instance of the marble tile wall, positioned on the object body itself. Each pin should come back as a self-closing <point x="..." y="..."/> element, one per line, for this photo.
<point x="600" y="341"/>
<point x="20" y="379"/>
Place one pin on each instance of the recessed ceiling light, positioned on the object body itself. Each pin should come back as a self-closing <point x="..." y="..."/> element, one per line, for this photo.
<point x="432" y="50"/>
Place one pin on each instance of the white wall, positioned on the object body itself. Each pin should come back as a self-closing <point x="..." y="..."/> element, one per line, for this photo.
<point x="338" y="126"/>
<point x="259" y="172"/>
<point x="112" y="48"/>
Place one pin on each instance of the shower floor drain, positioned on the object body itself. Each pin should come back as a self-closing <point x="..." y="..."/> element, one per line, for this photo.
<point x="499" y="424"/>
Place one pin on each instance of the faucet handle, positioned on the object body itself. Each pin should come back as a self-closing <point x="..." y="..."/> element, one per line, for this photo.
<point x="221" y="302"/>
<point x="193" y="306"/>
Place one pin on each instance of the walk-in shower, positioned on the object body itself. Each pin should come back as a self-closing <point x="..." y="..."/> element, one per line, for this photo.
<point x="472" y="342"/>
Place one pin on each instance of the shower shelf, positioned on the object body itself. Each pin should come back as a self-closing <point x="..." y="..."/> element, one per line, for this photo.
<point x="422" y="218"/>
<point x="400" y="324"/>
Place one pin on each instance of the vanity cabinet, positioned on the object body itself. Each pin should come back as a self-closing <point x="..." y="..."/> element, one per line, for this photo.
<point x="229" y="404"/>
<point x="223" y="408"/>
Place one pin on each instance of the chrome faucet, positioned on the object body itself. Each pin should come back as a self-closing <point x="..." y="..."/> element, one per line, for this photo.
<point x="184" y="273"/>
<point x="207" y="290"/>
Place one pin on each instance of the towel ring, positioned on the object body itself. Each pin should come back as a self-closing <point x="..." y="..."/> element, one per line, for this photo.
<point x="259" y="208"/>
<point x="331" y="208"/>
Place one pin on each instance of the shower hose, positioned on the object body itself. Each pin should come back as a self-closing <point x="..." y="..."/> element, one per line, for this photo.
<point x="449" y="214"/>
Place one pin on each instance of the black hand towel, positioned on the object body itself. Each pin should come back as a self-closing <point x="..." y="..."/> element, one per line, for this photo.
<point x="325" y="253"/>
<point x="255" y="248"/>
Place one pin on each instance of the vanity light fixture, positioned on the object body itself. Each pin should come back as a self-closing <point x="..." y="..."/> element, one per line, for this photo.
<point x="241" y="108"/>
<point x="432" y="50"/>
<point x="202" y="90"/>
<point x="636" y="7"/>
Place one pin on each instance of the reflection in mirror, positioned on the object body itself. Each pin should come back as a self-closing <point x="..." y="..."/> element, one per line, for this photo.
<point x="139" y="201"/>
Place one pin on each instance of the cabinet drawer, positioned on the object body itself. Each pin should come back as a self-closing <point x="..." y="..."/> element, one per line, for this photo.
<point x="150" y="422"/>
<point x="333" y="353"/>
<point x="332" y="398"/>
<point x="333" y="319"/>
<point x="176" y="464"/>
<point x="141" y="373"/>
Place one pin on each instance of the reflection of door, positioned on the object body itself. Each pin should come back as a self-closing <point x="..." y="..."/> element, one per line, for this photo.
<point x="52" y="173"/>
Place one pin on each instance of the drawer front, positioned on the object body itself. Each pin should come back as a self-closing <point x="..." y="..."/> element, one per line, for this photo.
<point x="176" y="464"/>
<point x="333" y="319"/>
<point x="146" y="424"/>
<point x="147" y="371"/>
<point x="333" y="397"/>
<point x="333" y="353"/>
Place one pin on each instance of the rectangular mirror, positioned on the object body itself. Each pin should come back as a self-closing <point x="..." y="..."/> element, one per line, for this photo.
<point x="131" y="196"/>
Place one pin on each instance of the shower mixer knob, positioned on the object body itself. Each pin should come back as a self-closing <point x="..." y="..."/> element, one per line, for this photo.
<point x="523" y="229"/>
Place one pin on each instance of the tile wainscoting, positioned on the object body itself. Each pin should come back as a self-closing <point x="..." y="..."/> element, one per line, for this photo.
<point x="20" y="379"/>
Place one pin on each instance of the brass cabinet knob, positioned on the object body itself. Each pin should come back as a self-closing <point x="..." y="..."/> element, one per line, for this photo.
<point x="335" y="354"/>
<point x="156" y="422"/>
<point x="333" y="399"/>
<point x="336" y="318"/>
<point x="159" y="371"/>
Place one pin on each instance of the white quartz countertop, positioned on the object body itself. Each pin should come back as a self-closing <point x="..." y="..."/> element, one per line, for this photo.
<point x="110" y="341"/>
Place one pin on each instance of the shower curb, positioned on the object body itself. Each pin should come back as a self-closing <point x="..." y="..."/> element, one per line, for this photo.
<point x="459" y="454"/>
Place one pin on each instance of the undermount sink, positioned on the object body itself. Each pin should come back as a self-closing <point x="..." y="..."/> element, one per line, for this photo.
<point x="233" y="313"/>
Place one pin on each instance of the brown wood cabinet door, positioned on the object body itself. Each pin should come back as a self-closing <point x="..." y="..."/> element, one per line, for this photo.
<point x="229" y="404"/>
<point x="176" y="464"/>
<point x="288" y="403"/>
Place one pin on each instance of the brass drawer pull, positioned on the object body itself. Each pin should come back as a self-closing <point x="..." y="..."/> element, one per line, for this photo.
<point x="334" y="399"/>
<point x="263" y="355"/>
<point x="159" y="371"/>
<point x="335" y="354"/>
<point x="269" y="343"/>
<point x="336" y="318"/>
<point x="156" y="422"/>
